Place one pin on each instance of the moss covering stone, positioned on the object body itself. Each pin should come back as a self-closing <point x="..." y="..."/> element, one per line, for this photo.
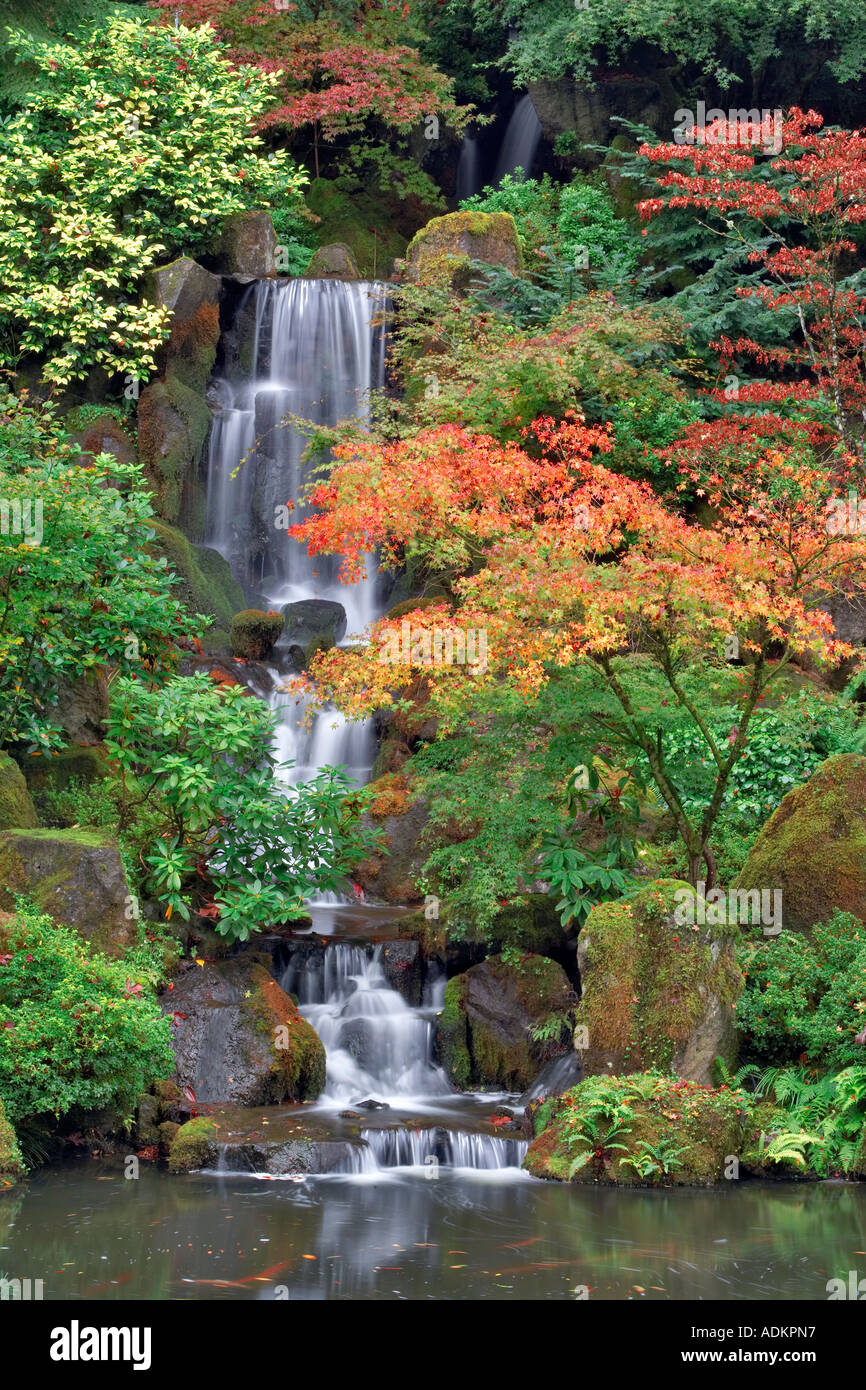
<point x="12" y="1165"/>
<point x="206" y="585"/>
<point x="813" y="847"/>
<point x="445" y="247"/>
<point x="484" y="1028"/>
<point x="298" y="1056"/>
<point x="651" y="1116"/>
<point x="655" y="993"/>
<point x="173" y="426"/>
<point x="254" y="634"/>
<point x="194" y="1145"/>
<point x="16" y="807"/>
<point x="76" y="876"/>
<point x="359" y="219"/>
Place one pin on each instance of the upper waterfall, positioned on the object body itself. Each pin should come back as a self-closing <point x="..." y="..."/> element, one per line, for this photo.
<point x="315" y="349"/>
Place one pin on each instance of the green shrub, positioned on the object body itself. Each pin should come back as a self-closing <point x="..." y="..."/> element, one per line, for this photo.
<point x="805" y="996"/>
<point x="77" y="1031"/>
<point x="138" y="147"/>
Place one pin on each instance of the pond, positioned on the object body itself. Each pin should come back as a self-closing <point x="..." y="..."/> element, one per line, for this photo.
<point x="89" y="1233"/>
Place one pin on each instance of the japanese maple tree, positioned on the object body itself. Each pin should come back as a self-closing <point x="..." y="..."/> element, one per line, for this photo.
<point x="565" y="565"/>
<point x="800" y="228"/>
<point x="344" y="70"/>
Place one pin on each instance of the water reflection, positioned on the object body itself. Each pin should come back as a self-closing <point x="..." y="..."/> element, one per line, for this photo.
<point x="90" y="1234"/>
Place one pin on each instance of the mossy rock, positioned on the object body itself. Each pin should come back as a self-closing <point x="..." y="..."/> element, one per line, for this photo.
<point x="444" y="248"/>
<point x="239" y="1039"/>
<point x="207" y="584"/>
<point x="358" y="219"/>
<point x="484" y="1027"/>
<point x="77" y="877"/>
<point x="194" y="1145"/>
<point x="254" y="634"/>
<point x="334" y="262"/>
<point x="12" y="1166"/>
<point x="73" y="764"/>
<point x="664" y="1114"/>
<point x="655" y="993"/>
<point x="813" y="847"/>
<point x="173" y="425"/>
<point x="16" y="807"/>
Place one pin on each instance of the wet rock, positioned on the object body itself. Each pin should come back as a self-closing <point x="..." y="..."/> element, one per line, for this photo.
<point x="314" y="620"/>
<point x="372" y="1105"/>
<point x="334" y="262"/>
<point x="403" y="964"/>
<point x="656" y="994"/>
<point x="16" y="808"/>
<point x="76" y="876"/>
<point x="488" y="1012"/>
<point x="813" y="847"/>
<point x="239" y="1038"/>
<point x="350" y="1115"/>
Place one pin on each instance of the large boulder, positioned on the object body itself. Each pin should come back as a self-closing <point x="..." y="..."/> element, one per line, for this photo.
<point x="484" y="1030"/>
<point x="247" y="245"/>
<point x="334" y="262"/>
<point x="655" y="993"/>
<point x="77" y="877"/>
<point x="16" y="808"/>
<point x="813" y="847"/>
<point x="239" y="1038"/>
<point x="206" y="583"/>
<point x="183" y="287"/>
<point x="673" y="1132"/>
<point x="80" y="707"/>
<point x="312" y="625"/>
<point x="447" y="244"/>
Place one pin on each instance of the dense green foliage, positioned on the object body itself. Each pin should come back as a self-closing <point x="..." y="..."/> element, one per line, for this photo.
<point x="79" y="589"/>
<point x="77" y="1032"/>
<point x="140" y="146"/>
<point x="199" y="757"/>
<point x="806" y="997"/>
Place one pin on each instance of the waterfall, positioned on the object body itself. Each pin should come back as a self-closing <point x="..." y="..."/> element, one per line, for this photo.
<point x="521" y="140"/>
<point x="380" y="1056"/>
<point x="376" y="1045"/>
<point x="467" y="168"/>
<point x="316" y="350"/>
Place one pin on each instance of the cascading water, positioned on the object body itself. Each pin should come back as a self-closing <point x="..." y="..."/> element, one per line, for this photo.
<point x="380" y="1049"/>
<point x="468" y="168"/>
<point x="317" y="351"/>
<point x="521" y="141"/>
